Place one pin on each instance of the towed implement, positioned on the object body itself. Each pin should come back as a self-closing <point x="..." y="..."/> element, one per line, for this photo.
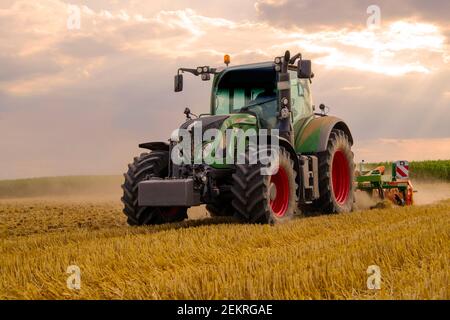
<point x="396" y="187"/>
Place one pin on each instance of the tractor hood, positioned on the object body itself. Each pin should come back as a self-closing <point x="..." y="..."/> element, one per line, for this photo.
<point x="222" y="122"/>
<point x="226" y="125"/>
<point x="240" y="120"/>
<point x="210" y="122"/>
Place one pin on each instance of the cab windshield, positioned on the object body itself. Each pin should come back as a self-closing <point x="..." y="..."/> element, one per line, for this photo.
<point x="250" y="91"/>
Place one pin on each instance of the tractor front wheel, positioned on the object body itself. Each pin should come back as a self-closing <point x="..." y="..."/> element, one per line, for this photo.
<point x="259" y="198"/>
<point x="153" y="164"/>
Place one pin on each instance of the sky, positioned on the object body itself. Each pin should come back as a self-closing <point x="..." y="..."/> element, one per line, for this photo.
<point x="78" y="95"/>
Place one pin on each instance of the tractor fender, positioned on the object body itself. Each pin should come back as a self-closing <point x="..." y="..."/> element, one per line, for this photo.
<point x="155" y="146"/>
<point x="313" y="137"/>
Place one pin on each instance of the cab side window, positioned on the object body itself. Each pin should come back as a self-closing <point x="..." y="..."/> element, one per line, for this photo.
<point x="300" y="97"/>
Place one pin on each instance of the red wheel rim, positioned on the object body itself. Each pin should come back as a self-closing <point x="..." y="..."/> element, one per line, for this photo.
<point x="341" y="177"/>
<point x="280" y="201"/>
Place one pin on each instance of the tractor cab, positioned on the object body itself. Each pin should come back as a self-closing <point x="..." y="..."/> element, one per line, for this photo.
<point x="277" y="93"/>
<point x="253" y="89"/>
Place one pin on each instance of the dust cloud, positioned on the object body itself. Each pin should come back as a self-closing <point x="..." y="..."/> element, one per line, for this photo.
<point x="363" y="201"/>
<point x="107" y="189"/>
<point x="430" y="191"/>
<point x="68" y="188"/>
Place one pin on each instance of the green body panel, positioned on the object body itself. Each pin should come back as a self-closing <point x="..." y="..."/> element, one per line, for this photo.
<point x="241" y="121"/>
<point x="311" y="134"/>
<point x="305" y="139"/>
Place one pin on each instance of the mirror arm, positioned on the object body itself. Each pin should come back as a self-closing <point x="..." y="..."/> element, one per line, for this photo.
<point x="294" y="58"/>
<point x="193" y="71"/>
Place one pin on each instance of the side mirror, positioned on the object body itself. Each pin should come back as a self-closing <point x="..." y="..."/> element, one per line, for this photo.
<point x="178" y="83"/>
<point x="304" y="69"/>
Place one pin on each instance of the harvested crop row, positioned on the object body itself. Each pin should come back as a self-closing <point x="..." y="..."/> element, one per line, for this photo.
<point x="320" y="257"/>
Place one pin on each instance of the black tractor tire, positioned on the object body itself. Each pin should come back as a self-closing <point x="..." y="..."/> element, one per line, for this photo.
<point x="336" y="175"/>
<point x="265" y="199"/>
<point x="153" y="164"/>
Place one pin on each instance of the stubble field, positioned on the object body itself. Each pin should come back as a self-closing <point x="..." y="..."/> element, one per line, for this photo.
<point x="309" y="258"/>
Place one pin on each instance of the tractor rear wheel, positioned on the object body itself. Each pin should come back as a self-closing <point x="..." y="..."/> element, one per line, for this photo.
<point x="153" y="164"/>
<point x="261" y="198"/>
<point x="336" y="175"/>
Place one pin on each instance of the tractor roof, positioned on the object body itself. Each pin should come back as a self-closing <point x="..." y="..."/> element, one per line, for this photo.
<point x="251" y="66"/>
<point x="260" y="68"/>
<point x="263" y="72"/>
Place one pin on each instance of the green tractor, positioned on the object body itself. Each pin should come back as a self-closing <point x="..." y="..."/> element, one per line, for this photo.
<point x="314" y="162"/>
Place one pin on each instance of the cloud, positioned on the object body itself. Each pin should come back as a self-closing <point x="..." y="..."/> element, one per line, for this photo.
<point x="310" y="15"/>
<point x="83" y="47"/>
<point x="14" y="67"/>
<point x="410" y="106"/>
<point x="90" y="95"/>
<point x="399" y="48"/>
